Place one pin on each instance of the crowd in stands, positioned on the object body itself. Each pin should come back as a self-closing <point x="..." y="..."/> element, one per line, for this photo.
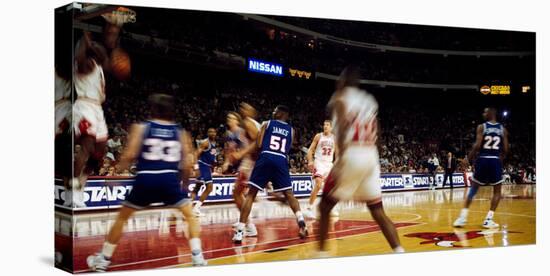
<point x="406" y="142"/>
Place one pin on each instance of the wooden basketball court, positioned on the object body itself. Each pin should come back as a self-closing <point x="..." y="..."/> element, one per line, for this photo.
<point x="156" y="239"/>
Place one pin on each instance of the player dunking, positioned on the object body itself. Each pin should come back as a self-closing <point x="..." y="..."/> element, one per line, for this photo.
<point x="89" y="127"/>
<point x="356" y="172"/>
<point x="164" y="163"/>
<point x="238" y="141"/>
<point x="491" y="147"/>
<point x="206" y="155"/>
<point x="273" y="144"/>
<point x="323" y="148"/>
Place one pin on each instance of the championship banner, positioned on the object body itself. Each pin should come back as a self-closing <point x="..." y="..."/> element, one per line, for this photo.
<point x="109" y="193"/>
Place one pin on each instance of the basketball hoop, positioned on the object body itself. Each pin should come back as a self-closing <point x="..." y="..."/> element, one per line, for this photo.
<point x="120" y="16"/>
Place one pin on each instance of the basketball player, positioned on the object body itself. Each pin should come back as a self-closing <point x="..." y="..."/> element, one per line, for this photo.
<point x="238" y="141"/>
<point x="163" y="153"/>
<point x="89" y="127"/>
<point x="206" y="156"/>
<point x="324" y="147"/>
<point x="356" y="172"/>
<point x="491" y="147"/>
<point x="273" y="144"/>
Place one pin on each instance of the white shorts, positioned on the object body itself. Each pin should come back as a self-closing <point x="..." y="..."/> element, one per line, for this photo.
<point x="62" y="116"/>
<point x="322" y="168"/>
<point x="88" y="119"/>
<point x="357" y="175"/>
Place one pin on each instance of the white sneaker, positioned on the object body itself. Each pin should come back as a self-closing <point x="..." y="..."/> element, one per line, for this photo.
<point x="308" y="213"/>
<point x="78" y="199"/>
<point x="98" y="262"/>
<point x="68" y="198"/>
<point x="460" y="222"/>
<point x="198" y="259"/>
<point x="238" y="237"/>
<point x="489" y="223"/>
<point x="334" y="213"/>
<point x="250" y="230"/>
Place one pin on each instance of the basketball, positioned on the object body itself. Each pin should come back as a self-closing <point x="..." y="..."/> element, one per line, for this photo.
<point x="120" y="64"/>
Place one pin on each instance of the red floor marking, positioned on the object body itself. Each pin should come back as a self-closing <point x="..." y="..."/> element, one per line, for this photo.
<point x="151" y="249"/>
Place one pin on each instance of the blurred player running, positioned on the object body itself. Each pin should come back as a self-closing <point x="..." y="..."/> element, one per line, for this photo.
<point x="491" y="147"/>
<point x="273" y="143"/>
<point x="206" y="156"/>
<point x="323" y="148"/>
<point x="356" y="172"/>
<point x="238" y="141"/>
<point x="164" y="163"/>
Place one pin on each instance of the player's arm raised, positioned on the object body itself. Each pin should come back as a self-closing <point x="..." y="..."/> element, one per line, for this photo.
<point x="187" y="158"/>
<point x="477" y="145"/>
<point x="311" y="150"/>
<point x="131" y="151"/>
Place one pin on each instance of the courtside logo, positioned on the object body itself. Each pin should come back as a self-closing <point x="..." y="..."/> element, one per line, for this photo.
<point x="263" y="67"/>
<point x="448" y="239"/>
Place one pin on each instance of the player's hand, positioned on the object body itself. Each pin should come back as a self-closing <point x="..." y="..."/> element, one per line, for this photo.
<point x="311" y="167"/>
<point x="225" y="166"/>
<point x="236" y="156"/>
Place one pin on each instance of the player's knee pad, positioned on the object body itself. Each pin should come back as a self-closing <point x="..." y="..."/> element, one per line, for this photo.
<point x="473" y="192"/>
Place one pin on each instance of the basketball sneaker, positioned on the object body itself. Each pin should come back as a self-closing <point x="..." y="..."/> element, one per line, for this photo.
<point x="68" y="198"/>
<point x="303" y="229"/>
<point x="460" y="222"/>
<point x="98" y="262"/>
<point x="309" y="213"/>
<point x="489" y="223"/>
<point x="250" y="230"/>
<point x="198" y="259"/>
<point x="78" y="199"/>
<point x="238" y="237"/>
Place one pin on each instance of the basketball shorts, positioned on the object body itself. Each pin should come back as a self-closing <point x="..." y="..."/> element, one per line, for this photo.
<point x="488" y="171"/>
<point x="322" y="169"/>
<point x="244" y="171"/>
<point x="205" y="173"/>
<point x="62" y="116"/>
<point x="271" y="168"/>
<point x="88" y="119"/>
<point x="156" y="188"/>
<point x="356" y="176"/>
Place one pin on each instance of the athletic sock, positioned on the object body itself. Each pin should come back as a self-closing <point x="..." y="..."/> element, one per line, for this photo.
<point x="464" y="213"/>
<point x="399" y="249"/>
<point x="195" y="244"/>
<point x="489" y="215"/>
<point x="108" y="249"/>
<point x="299" y="216"/>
